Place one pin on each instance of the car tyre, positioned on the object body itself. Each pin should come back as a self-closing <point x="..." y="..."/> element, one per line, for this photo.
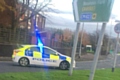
<point x="64" y="65"/>
<point x="23" y="62"/>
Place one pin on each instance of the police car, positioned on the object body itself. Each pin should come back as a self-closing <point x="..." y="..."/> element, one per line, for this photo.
<point x="33" y="54"/>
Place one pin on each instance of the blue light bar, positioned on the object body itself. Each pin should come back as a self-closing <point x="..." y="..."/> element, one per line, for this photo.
<point x="39" y="41"/>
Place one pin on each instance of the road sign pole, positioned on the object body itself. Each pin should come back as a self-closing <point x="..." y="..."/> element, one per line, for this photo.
<point x="97" y="52"/>
<point x="115" y="54"/>
<point x="108" y="44"/>
<point x="81" y="41"/>
<point x="74" y="48"/>
<point x="96" y="35"/>
<point x="117" y="30"/>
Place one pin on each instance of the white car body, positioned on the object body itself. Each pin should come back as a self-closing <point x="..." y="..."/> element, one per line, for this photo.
<point x="43" y="61"/>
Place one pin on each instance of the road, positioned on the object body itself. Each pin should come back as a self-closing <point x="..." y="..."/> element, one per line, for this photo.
<point x="108" y="63"/>
<point x="8" y="66"/>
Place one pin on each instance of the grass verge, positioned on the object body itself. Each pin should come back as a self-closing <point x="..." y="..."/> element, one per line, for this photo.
<point x="104" y="74"/>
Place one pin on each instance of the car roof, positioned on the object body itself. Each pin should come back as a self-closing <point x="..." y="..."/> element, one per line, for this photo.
<point x="33" y="45"/>
<point x="37" y="46"/>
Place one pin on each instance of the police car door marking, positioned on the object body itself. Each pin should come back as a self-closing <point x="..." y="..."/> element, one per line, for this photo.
<point x="29" y="53"/>
<point x="62" y="57"/>
<point x="43" y="60"/>
<point x="46" y="56"/>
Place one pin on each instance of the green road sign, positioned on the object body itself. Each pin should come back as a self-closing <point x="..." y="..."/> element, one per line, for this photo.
<point x="92" y="10"/>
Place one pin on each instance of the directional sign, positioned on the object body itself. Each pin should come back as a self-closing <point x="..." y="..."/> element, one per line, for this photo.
<point x="117" y="28"/>
<point x="92" y="10"/>
<point x="86" y="16"/>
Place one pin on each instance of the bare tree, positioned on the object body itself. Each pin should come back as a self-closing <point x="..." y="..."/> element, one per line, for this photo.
<point x="4" y="6"/>
<point x="24" y="6"/>
<point x="14" y="12"/>
<point x="21" y="7"/>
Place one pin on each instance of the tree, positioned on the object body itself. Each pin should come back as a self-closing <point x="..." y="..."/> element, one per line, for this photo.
<point x="17" y="12"/>
<point x="4" y="6"/>
<point x="58" y="33"/>
<point x="85" y="38"/>
<point x="67" y="35"/>
<point x="5" y="12"/>
<point x="18" y="9"/>
<point x="30" y="8"/>
<point x="94" y="39"/>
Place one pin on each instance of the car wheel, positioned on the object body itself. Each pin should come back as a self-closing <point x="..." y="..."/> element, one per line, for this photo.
<point x="24" y="62"/>
<point x="64" y="65"/>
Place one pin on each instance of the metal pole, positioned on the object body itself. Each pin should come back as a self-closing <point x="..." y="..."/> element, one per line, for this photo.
<point x="81" y="41"/>
<point x="108" y="48"/>
<point x="74" y="48"/>
<point x="115" y="54"/>
<point x="96" y="35"/>
<point x="97" y="52"/>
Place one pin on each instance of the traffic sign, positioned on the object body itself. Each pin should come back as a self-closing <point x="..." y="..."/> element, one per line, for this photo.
<point x="117" y="28"/>
<point x="92" y="10"/>
<point x="86" y="16"/>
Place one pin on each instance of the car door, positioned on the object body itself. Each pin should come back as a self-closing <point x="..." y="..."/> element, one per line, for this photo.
<point x="50" y="57"/>
<point x="35" y="55"/>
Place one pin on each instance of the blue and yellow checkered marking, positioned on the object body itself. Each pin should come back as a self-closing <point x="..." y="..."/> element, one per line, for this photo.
<point x="29" y="53"/>
<point x="62" y="57"/>
<point x="39" y="55"/>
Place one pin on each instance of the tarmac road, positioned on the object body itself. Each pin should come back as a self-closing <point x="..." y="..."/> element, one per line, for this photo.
<point x="9" y="66"/>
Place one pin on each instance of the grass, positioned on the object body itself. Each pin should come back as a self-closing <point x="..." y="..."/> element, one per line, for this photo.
<point x="62" y="75"/>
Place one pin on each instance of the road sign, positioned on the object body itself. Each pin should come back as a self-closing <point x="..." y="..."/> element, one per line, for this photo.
<point x="117" y="28"/>
<point x="92" y="10"/>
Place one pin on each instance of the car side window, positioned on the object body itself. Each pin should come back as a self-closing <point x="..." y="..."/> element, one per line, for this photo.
<point x="49" y="51"/>
<point x="35" y="49"/>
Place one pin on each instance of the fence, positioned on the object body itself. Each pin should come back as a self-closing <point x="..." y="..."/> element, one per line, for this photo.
<point x="9" y="36"/>
<point x="62" y="47"/>
<point x="6" y="50"/>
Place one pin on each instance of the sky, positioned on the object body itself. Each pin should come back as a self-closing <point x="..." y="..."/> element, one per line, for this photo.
<point x="65" y="19"/>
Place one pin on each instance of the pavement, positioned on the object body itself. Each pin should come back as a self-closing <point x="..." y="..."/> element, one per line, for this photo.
<point x="5" y="58"/>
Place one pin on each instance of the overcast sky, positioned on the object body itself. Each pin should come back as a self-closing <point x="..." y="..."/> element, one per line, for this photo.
<point x="66" y="19"/>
